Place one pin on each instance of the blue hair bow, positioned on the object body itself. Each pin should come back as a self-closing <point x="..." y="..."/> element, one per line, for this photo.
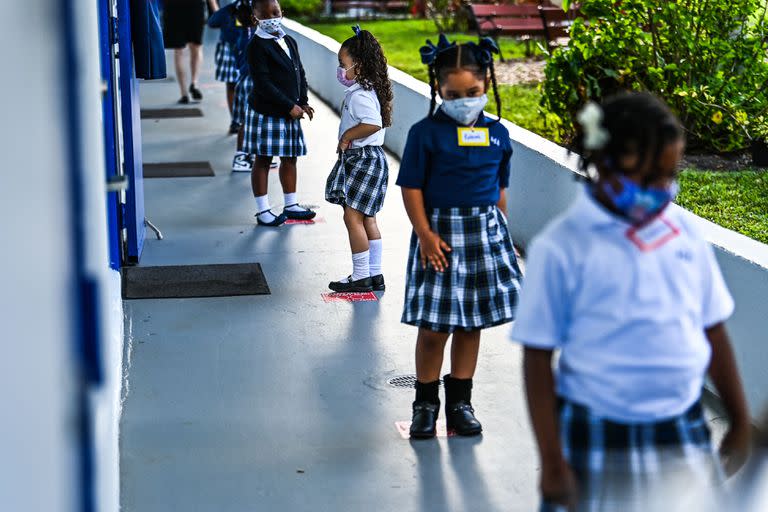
<point x="484" y="50"/>
<point x="429" y="51"/>
<point x="356" y="29"/>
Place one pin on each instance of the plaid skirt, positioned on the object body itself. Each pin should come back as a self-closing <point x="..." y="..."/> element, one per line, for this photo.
<point x="359" y="180"/>
<point x="226" y="63"/>
<point x="240" y="106"/>
<point x="480" y="287"/>
<point x="655" y="466"/>
<point x="273" y="136"/>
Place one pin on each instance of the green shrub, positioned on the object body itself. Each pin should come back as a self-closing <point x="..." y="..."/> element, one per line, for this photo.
<point x="301" y="7"/>
<point x="705" y="58"/>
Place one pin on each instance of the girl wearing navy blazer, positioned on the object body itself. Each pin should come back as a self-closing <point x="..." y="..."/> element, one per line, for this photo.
<point x="273" y="124"/>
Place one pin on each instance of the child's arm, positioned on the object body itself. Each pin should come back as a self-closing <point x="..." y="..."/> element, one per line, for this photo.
<point x="218" y="18"/>
<point x="213" y="5"/>
<point x="558" y="484"/>
<point x="432" y="246"/>
<point x="724" y="374"/>
<point x="260" y="73"/>
<point x="361" y="131"/>
<point x="502" y="204"/>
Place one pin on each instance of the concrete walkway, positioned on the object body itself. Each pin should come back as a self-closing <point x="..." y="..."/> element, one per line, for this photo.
<point x="281" y="402"/>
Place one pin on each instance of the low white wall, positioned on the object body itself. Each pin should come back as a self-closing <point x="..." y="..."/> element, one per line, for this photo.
<point x="543" y="184"/>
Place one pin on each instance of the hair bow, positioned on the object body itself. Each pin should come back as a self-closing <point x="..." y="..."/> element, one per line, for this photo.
<point x="429" y="51"/>
<point x="591" y="120"/>
<point x="356" y="29"/>
<point x="484" y="50"/>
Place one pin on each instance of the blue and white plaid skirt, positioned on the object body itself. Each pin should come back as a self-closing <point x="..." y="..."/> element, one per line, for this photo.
<point x="240" y="105"/>
<point x="655" y="466"/>
<point x="480" y="287"/>
<point x="359" y="180"/>
<point x="273" y="136"/>
<point x="226" y="63"/>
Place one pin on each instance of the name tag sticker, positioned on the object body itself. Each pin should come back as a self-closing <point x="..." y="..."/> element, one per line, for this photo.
<point x="654" y="235"/>
<point x="478" y="137"/>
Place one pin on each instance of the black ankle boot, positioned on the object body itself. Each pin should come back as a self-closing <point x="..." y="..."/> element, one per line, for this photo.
<point x="459" y="414"/>
<point x="426" y="408"/>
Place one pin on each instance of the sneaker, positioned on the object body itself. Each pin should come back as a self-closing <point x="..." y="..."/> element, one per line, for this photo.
<point x="184" y="100"/>
<point x="274" y="165"/>
<point x="195" y="92"/>
<point x="242" y="163"/>
<point x="234" y="128"/>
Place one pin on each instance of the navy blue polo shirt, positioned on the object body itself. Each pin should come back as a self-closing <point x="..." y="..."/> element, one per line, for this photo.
<point x="450" y="175"/>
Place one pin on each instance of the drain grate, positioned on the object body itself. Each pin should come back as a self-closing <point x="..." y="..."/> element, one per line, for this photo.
<point x="404" y="381"/>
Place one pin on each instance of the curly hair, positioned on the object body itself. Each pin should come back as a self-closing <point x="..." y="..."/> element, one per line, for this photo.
<point x="372" y="71"/>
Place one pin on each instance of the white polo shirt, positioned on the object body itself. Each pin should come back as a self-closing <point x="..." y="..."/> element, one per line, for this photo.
<point x="361" y="106"/>
<point x="627" y="311"/>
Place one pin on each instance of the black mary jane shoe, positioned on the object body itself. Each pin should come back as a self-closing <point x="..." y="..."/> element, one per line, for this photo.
<point x="378" y="283"/>
<point x="278" y="221"/>
<point x="234" y="128"/>
<point x="424" y="422"/>
<point x="197" y="95"/>
<point x="306" y="214"/>
<point x="460" y="417"/>
<point x="184" y="100"/>
<point x="350" y="286"/>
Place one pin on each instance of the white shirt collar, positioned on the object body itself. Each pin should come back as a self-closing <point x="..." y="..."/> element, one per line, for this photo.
<point x="353" y="87"/>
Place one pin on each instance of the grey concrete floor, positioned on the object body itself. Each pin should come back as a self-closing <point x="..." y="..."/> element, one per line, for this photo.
<point x="281" y="402"/>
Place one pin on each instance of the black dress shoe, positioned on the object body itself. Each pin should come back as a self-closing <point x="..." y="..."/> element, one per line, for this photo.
<point x="350" y="286"/>
<point x="197" y="95"/>
<point x="305" y="214"/>
<point x="279" y="220"/>
<point x="424" y="422"/>
<point x="378" y="283"/>
<point x="460" y="417"/>
<point x="184" y="100"/>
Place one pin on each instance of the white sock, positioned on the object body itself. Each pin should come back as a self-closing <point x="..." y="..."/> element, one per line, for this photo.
<point x="360" y="269"/>
<point x="375" y="259"/>
<point x="290" y="199"/>
<point x="262" y="204"/>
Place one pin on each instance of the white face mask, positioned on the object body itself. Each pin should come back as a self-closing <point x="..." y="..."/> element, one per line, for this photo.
<point x="465" y="110"/>
<point x="271" y="25"/>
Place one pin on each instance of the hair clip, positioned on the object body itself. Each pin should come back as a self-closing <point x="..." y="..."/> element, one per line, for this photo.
<point x="429" y="51"/>
<point x="591" y="120"/>
<point x="356" y="29"/>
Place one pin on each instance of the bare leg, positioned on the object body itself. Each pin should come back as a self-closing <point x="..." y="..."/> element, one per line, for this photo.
<point x="240" y="138"/>
<point x="181" y="78"/>
<point x="430" y="346"/>
<point x="372" y="228"/>
<point x="354" y="220"/>
<point x="464" y="349"/>
<point x="260" y="175"/>
<point x="230" y="96"/>
<point x="288" y="174"/>
<point x="195" y="60"/>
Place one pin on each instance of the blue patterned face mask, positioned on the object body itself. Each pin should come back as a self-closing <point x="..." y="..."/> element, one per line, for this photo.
<point x="639" y="204"/>
<point x="465" y="110"/>
<point x="271" y="25"/>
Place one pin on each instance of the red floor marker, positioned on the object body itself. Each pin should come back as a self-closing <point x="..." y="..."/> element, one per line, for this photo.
<point x="316" y="220"/>
<point x="404" y="429"/>
<point x="349" y="297"/>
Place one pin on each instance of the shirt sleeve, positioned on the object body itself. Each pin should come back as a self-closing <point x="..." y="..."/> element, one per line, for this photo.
<point x="718" y="303"/>
<point x="542" y="315"/>
<point x="505" y="167"/>
<point x="415" y="161"/>
<point x="363" y="109"/>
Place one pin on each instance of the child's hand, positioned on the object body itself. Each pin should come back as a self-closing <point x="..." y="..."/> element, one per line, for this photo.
<point x="296" y="112"/>
<point x="433" y="249"/>
<point x="558" y="485"/>
<point x="734" y="449"/>
<point x="343" y="146"/>
<point x="309" y="111"/>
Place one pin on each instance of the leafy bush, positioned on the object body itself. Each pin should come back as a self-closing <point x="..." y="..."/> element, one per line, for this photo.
<point x="301" y="7"/>
<point x="448" y="15"/>
<point x="706" y="58"/>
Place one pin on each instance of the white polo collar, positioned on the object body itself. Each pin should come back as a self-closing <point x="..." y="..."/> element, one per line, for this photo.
<point x="353" y="88"/>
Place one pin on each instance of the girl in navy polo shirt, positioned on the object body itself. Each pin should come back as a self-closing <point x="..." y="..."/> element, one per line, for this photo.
<point x="227" y="70"/>
<point x="462" y="272"/>
<point x="627" y="289"/>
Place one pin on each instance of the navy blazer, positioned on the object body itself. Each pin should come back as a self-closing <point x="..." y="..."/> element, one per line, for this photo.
<point x="279" y="81"/>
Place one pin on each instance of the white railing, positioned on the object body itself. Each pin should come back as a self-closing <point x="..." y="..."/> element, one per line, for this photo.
<point x="544" y="183"/>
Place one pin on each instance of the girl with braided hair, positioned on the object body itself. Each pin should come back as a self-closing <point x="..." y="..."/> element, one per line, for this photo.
<point x="462" y="272"/>
<point x="358" y="181"/>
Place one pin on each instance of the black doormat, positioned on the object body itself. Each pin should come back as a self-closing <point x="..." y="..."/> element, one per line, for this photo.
<point x="178" y="170"/>
<point x="170" y="113"/>
<point x="191" y="281"/>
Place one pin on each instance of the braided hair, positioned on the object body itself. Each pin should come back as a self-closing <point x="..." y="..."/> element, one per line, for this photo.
<point x="449" y="57"/>
<point x="626" y="124"/>
<point x="244" y="12"/>
<point x="372" y="70"/>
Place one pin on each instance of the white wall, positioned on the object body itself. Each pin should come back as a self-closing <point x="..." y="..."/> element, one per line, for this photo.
<point x="544" y="183"/>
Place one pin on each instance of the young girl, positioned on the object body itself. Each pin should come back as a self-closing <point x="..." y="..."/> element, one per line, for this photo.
<point x="632" y="296"/>
<point x="462" y="271"/>
<point x="227" y="70"/>
<point x="246" y="17"/>
<point x="359" y="179"/>
<point x="273" y="126"/>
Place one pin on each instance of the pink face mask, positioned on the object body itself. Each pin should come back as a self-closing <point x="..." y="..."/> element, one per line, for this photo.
<point x="341" y="75"/>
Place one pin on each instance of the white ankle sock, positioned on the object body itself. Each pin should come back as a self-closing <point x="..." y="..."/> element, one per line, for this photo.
<point x="375" y="258"/>
<point x="262" y="205"/>
<point x="360" y="266"/>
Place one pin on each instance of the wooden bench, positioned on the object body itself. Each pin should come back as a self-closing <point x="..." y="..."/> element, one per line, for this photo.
<point x="522" y="21"/>
<point x="557" y="23"/>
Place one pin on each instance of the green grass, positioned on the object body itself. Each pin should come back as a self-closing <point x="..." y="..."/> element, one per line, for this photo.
<point x="401" y="40"/>
<point x="734" y="200"/>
